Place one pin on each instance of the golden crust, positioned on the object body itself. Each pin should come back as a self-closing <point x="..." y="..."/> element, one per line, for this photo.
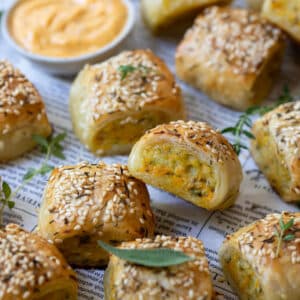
<point x="158" y="13"/>
<point x="21" y="111"/>
<point x="31" y="268"/>
<point x="190" y="280"/>
<point x="85" y="203"/>
<point x="122" y="89"/>
<point x="284" y="14"/>
<point x="232" y="55"/>
<point x="203" y="143"/>
<point x="256" y="245"/>
<point x="279" y="131"/>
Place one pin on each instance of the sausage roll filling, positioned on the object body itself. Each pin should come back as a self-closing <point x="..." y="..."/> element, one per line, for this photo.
<point x="190" y="160"/>
<point x="113" y="103"/>
<point x="181" y="170"/>
<point x="124" y="131"/>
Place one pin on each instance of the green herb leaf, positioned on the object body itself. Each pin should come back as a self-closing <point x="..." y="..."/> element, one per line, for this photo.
<point x="162" y="257"/>
<point x="29" y="174"/>
<point x="6" y="189"/>
<point x="11" y="204"/>
<point x="281" y="235"/>
<point x="289" y="224"/>
<point x="41" y="141"/>
<point x="289" y="237"/>
<point x="45" y="169"/>
<point x="59" y="138"/>
<point x="244" y="121"/>
<point x="125" y="70"/>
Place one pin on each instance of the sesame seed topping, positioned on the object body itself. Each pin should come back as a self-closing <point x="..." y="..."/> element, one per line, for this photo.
<point x="148" y="81"/>
<point x="201" y="135"/>
<point x="180" y="281"/>
<point x="259" y="242"/>
<point x="26" y="261"/>
<point x="17" y="96"/>
<point x="232" y="39"/>
<point x="89" y="199"/>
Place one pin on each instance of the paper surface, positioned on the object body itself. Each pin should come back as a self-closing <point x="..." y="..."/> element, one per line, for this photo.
<point x="174" y="216"/>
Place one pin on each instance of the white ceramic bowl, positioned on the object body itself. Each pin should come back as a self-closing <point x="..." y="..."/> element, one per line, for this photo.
<point x="70" y="66"/>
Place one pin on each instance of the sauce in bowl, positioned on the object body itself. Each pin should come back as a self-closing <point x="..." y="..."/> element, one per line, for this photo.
<point x="66" y="28"/>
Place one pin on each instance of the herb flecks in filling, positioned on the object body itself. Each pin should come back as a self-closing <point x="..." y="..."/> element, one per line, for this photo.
<point x="181" y="169"/>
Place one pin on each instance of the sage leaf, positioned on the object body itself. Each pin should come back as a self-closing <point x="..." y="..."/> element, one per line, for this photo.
<point x="156" y="258"/>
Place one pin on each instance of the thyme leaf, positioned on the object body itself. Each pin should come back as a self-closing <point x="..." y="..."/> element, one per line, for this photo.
<point x="51" y="147"/>
<point x="242" y="127"/>
<point x="282" y="234"/>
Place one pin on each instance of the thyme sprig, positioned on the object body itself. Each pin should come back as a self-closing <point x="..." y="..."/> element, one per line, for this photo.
<point x="127" y="69"/>
<point x="282" y="234"/>
<point x="51" y="147"/>
<point x="243" y="126"/>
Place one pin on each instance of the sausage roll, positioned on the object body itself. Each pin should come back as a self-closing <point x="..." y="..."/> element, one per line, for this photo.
<point x="160" y="13"/>
<point x="31" y="268"/>
<point x="85" y="203"/>
<point x="113" y="103"/>
<point x="276" y="149"/>
<point x="190" y="160"/>
<point x="22" y="113"/>
<point x="285" y="14"/>
<point x="191" y="280"/>
<point x="232" y="55"/>
<point x="261" y="265"/>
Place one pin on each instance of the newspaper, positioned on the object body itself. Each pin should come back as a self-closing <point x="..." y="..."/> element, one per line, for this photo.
<point x="173" y="215"/>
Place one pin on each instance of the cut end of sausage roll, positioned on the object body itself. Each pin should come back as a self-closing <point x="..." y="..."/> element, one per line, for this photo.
<point x="112" y="104"/>
<point x="158" y="13"/>
<point x="22" y="113"/>
<point x="276" y="149"/>
<point x="259" y="264"/>
<point x="284" y="14"/>
<point x="232" y="55"/>
<point x="190" y="160"/>
<point x="86" y="203"/>
<point x="31" y="268"/>
<point x="191" y="280"/>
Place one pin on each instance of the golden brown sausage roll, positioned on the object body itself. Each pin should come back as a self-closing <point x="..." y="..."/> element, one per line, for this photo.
<point x="160" y="13"/>
<point x="32" y="269"/>
<point x="85" y="203"/>
<point x="113" y="103"/>
<point x="259" y="265"/>
<point x="191" y="280"/>
<point x="276" y="149"/>
<point x="190" y="160"/>
<point x="22" y="113"/>
<point x="284" y="14"/>
<point x="232" y="55"/>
